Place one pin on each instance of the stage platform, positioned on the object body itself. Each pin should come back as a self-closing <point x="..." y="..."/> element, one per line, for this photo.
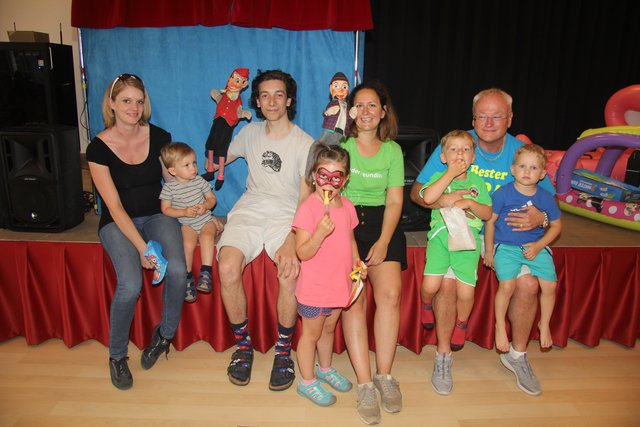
<point x="59" y="285"/>
<point x="577" y="231"/>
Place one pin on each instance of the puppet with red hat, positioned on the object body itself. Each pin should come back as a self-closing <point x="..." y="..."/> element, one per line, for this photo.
<point x="229" y="111"/>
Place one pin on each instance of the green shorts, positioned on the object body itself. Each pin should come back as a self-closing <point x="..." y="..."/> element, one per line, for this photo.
<point x="463" y="263"/>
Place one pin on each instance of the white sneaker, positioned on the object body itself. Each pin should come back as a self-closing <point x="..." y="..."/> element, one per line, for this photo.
<point x="525" y="378"/>
<point x="390" y="394"/>
<point x="441" y="379"/>
<point x="367" y="406"/>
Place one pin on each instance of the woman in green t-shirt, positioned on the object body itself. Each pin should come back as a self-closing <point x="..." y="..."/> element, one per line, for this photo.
<point x="376" y="188"/>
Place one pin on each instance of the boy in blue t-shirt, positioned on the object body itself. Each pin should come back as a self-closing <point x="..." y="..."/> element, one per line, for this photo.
<point x="514" y="248"/>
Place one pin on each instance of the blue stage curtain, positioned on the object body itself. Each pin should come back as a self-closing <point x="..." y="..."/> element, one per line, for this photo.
<point x="180" y="66"/>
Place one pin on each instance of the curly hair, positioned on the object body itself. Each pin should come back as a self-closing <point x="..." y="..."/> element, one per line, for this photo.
<point x="290" y="85"/>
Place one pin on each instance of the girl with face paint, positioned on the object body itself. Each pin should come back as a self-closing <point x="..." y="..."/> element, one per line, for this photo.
<point x="326" y="246"/>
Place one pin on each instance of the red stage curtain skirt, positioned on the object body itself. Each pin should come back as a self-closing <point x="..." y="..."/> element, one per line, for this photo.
<point x="63" y="290"/>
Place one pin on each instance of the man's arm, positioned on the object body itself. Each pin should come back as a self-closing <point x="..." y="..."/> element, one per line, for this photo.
<point x="489" y="235"/>
<point x="445" y="200"/>
<point x="526" y="219"/>
<point x="286" y="258"/>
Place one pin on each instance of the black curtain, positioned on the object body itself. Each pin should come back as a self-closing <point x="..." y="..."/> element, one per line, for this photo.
<point x="561" y="60"/>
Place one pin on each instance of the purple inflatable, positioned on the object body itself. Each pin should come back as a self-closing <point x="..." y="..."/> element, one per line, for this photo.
<point x="616" y="144"/>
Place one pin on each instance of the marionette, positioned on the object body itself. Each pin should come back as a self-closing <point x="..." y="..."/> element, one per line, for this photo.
<point x="337" y="120"/>
<point x="229" y="111"/>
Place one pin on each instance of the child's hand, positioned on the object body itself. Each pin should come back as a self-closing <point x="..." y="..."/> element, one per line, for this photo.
<point x="325" y="226"/>
<point x="488" y="260"/>
<point x="457" y="167"/>
<point x="462" y="204"/>
<point x="465" y="204"/>
<point x="359" y="268"/>
<point x="531" y="250"/>
<point x="363" y="272"/>
<point x="199" y="209"/>
<point x="190" y="212"/>
<point x="219" y="225"/>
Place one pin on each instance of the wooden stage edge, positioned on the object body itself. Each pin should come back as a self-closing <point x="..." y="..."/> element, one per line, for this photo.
<point x="577" y="231"/>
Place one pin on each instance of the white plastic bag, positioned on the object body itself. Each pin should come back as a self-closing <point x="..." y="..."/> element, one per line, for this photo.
<point x="460" y="236"/>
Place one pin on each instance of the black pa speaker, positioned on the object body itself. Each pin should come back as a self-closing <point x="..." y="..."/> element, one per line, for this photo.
<point x="41" y="178"/>
<point x="417" y="145"/>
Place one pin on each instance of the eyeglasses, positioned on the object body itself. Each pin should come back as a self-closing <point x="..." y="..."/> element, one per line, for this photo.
<point x="483" y="118"/>
<point x="123" y="78"/>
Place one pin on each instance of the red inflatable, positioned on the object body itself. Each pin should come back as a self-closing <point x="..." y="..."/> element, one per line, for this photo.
<point x="623" y="108"/>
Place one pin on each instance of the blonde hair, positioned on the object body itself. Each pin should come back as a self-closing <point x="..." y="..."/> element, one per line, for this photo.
<point x="492" y="91"/>
<point x="457" y="133"/>
<point x="533" y="149"/>
<point x="112" y="91"/>
<point x="173" y="152"/>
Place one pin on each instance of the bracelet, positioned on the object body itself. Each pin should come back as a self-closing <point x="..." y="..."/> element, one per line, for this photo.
<point x="545" y="223"/>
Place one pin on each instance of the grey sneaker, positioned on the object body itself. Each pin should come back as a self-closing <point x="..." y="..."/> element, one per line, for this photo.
<point x="390" y="394"/>
<point x="367" y="406"/>
<point x="526" y="379"/>
<point x="441" y="380"/>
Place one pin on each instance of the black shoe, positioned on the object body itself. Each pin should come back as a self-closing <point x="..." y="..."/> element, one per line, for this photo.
<point x="282" y="374"/>
<point x="239" y="370"/>
<point x="157" y="346"/>
<point x="120" y="374"/>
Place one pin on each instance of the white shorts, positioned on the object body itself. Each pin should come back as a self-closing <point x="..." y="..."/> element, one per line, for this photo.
<point x="451" y="275"/>
<point x="254" y="224"/>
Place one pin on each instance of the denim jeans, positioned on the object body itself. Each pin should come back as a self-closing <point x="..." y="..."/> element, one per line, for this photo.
<point x="126" y="262"/>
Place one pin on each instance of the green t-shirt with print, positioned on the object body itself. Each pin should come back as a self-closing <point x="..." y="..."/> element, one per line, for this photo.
<point x="371" y="176"/>
<point x="478" y="192"/>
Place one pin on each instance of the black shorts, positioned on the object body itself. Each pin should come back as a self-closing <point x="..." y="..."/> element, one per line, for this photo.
<point x="368" y="232"/>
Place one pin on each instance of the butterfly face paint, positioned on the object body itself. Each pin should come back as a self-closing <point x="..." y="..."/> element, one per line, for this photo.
<point x="334" y="179"/>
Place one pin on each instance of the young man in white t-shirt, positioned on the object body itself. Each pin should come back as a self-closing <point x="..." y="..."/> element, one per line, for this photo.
<point x="276" y="152"/>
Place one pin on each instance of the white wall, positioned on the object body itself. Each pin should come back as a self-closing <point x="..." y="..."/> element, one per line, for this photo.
<point x="46" y="16"/>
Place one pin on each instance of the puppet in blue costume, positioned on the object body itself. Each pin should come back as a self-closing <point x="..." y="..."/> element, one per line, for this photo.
<point x="228" y="113"/>
<point x="337" y="120"/>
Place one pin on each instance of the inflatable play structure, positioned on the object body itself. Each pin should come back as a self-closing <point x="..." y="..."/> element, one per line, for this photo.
<point x="589" y="175"/>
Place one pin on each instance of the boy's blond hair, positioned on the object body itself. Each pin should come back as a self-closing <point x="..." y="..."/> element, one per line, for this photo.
<point x="457" y="134"/>
<point x="173" y="152"/>
<point x="533" y="149"/>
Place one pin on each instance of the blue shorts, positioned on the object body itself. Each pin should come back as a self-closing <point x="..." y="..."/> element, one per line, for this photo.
<point x="510" y="259"/>
<point x="311" y="312"/>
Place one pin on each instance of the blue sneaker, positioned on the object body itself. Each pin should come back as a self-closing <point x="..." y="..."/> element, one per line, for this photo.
<point x="204" y="282"/>
<point x="334" y="379"/>
<point x="316" y="393"/>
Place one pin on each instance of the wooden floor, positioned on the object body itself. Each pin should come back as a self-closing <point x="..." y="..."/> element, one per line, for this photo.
<point x="51" y="385"/>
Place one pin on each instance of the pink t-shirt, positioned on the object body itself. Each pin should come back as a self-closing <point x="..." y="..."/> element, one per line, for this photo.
<point x="324" y="279"/>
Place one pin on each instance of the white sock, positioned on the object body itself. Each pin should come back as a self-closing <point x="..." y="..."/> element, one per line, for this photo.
<point x="515" y="354"/>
